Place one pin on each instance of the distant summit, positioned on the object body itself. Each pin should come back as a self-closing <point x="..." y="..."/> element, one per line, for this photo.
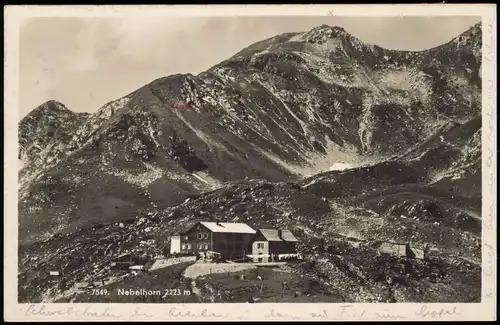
<point x="329" y="30"/>
<point x="49" y="107"/>
<point x="50" y="124"/>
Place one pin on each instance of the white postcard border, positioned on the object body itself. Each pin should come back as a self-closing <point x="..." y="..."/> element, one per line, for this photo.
<point x="15" y="15"/>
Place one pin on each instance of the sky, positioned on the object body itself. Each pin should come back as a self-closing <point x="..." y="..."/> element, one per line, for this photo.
<point x="86" y="62"/>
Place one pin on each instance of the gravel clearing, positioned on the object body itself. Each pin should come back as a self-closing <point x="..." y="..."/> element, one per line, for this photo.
<point x="200" y="269"/>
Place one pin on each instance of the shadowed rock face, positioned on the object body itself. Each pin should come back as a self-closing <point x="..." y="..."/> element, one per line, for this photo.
<point x="284" y="108"/>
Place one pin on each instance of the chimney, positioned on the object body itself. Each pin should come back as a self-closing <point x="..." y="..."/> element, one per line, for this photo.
<point x="217" y="222"/>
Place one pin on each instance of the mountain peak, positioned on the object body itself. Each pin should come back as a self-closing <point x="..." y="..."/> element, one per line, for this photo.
<point x="50" y="107"/>
<point x="474" y="31"/>
<point x="53" y="105"/>
<point x="472" y="39"/>
<point x="329" y="30"/>
<point x="328" y="27"/>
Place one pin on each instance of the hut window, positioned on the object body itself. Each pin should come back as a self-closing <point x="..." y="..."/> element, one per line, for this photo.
<point x="183" y="246"/>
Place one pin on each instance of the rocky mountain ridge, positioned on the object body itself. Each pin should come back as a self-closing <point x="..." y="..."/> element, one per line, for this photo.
<point x="282" y="109"/>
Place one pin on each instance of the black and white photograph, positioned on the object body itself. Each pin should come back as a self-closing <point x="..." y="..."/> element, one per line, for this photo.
<point x="250" y="159"/>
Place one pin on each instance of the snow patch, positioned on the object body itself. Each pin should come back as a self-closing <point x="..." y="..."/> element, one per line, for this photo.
<point x="340" y="166"/>
<point x="318" y="163"/>
<point x="346" y="156"/>
<point x="314" y="181"/>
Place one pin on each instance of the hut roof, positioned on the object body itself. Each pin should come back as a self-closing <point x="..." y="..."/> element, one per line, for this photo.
<point x="270" y="234"/>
